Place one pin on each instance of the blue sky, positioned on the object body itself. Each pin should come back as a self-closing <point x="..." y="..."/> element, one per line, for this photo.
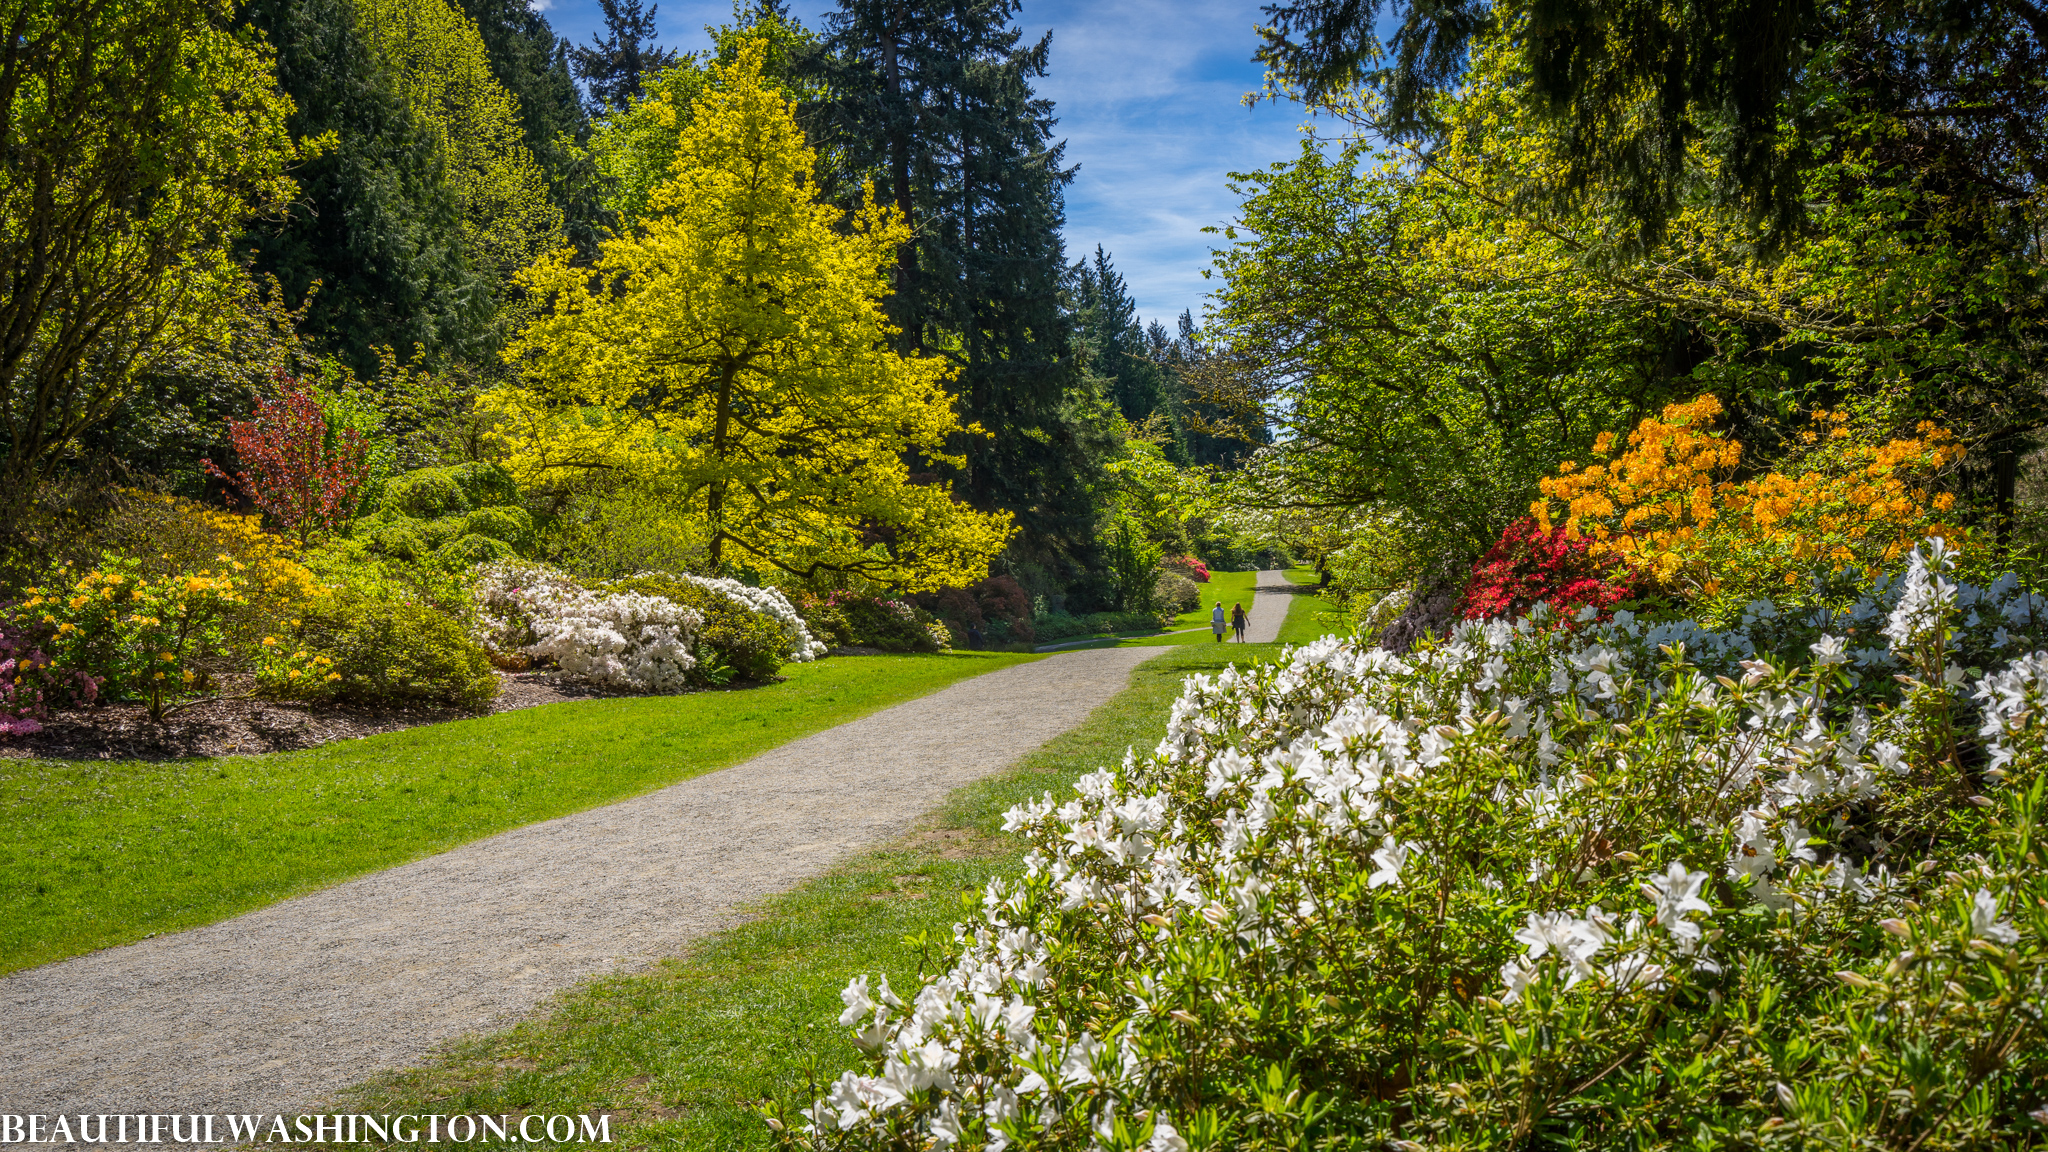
<point x="1148" y="94"/>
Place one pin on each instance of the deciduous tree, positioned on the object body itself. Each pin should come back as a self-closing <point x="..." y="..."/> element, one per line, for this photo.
<point x="736" y="342"/>
<point x="137" y="139"/>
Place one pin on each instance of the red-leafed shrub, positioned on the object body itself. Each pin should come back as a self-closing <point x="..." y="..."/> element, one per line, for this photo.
<point x="997" y="604"/>
<point x="1187" y="566"/>
<point x="292" y="467"/>
<point x="1529" y="566"/>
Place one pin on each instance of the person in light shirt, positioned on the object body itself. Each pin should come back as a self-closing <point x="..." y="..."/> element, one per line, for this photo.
<point x="1216" y="621"/>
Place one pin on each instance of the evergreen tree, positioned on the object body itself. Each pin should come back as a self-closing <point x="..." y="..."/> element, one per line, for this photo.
<point x="1113" y="340"/>
<point x="614" y="64"/>
<point x="932" y="102"/>
<point x="377" y="226"/>
<point x="533" y="64"/>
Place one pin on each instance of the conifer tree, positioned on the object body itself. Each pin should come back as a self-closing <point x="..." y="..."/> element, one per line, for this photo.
<point x="615" y="64"/>
<point x="378" y="226"/>
<point x="735" y="344"/>
<point x="1113" y="339"/>
<point x="533" y="64"/>
<point x="932" y="101"/>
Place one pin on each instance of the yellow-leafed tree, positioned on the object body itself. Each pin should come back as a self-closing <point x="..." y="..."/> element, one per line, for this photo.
<point x="735" y="342"/>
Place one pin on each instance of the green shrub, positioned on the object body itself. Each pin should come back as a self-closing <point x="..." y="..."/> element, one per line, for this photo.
<point x="399" y="539"/>
<point x="1060" y="626"/>
<point x="891" y="625"/>
<point x="473" y="549"/>
<point x="734" y="642"/>
<point x="395" y="650"/>
<point x="1176" y="593"/>
<point x="507" y="522"/>
<point x="429" y="493"/>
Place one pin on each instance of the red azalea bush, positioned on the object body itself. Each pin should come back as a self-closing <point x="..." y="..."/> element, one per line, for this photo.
<point x="1189" y="567"/>
<point x="1529" y="566"/>
<point x="293" y="468"/>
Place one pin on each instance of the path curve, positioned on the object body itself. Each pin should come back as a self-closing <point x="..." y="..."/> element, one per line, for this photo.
<point x="278" y="1008"/>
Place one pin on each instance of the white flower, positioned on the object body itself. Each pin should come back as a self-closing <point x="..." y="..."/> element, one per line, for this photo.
<point x="1516" y="974"/>
<point x="1829" y="651"/>
<point x="1165" y="1137"/>
<point x="1390" y="857"/>
<point x="1675" y="893"/>
<point x="1078" y="1065"/>
<point x="1926" y="598"/>
<point x="858" y="1004"/>
<point x="1984" y="921"/>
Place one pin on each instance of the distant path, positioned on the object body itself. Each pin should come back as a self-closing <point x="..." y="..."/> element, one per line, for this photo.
<point x="279" y="1008"/>
<point x="1271" y="596"/>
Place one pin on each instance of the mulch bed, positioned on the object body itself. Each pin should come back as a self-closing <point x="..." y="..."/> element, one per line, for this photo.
<point x="240" y="727"/>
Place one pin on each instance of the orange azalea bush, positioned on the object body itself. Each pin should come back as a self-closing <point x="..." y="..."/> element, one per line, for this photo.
<point x="1669" y="505"/>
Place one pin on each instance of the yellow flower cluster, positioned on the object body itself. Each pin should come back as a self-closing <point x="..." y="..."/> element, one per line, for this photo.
<point x="1670" y="506"/>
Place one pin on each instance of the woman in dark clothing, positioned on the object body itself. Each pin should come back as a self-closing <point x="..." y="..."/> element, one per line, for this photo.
<point x="1237" y="621"/>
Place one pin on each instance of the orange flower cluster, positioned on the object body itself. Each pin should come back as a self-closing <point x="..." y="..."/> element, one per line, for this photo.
<point x="1670" y="507"/>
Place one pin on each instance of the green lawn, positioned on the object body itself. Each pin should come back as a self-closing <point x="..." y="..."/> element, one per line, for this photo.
<point x="1311" y="617"/>
<point x="681" y="1053"/>
<point x="97" y="853"/>
<point x="1230" y="587"/>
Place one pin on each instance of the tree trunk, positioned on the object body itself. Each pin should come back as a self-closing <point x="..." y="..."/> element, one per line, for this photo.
<point x="716" y="499"/>
<point x="899" y="174"/>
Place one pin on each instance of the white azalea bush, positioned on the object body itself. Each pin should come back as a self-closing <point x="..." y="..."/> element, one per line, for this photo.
<point x="1612" y="885"/>
<point x="620" y="639"/>
<point x="771" y="603"/>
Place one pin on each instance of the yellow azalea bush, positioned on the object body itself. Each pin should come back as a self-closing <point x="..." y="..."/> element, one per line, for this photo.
<point x="1669" y="503"/>
<point x="287" y="669"/>
<point x="153" y="639"/>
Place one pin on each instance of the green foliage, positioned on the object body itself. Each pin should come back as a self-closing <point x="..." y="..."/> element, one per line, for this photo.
<point x="1423" y="366"/>
<point x="141" y="136"/>
<point x="395" y="649"/>
<point x="1175" y="593"/>
<point x="634" y="145"/>
<point x="938" y="114"/>
<point x="439" y="63"/>
<point x="532" y="63"/>
<point x="427" y="493"/>
<point x="1133" y="560"/>
<point x="612" y="530"/>
<point x="381" y="230"/>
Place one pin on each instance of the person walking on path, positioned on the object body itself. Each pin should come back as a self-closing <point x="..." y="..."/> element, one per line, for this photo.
<point x="1216" y="621"/>
<point x="1238" y="619"/>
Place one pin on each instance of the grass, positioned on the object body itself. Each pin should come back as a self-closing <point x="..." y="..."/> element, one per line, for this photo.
<point x="1230" y="587"/>
<point x="1311" y="617"/>
<point x="98" y="853"/>
<point x="681" y="1054"/>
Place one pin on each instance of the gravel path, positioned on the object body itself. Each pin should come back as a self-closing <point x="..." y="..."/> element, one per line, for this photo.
<point x="276" y="1009"/>
<point x="1271" y="596"/>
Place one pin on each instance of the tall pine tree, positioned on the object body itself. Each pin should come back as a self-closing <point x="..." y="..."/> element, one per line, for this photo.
<point x="614" y="64"/>
<point x="377" y="225"/>
<point x="533" y="64"/>
<point x="932" y="102"/>
<point x="1113" y="340"/>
